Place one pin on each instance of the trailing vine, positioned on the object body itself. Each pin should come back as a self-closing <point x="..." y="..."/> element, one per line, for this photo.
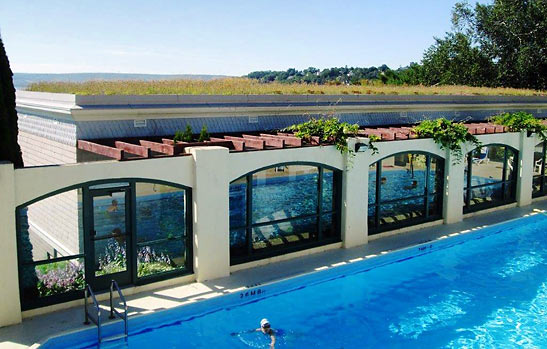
<point x="371" y="140"/>
<point x="328" y="130"/>
<point x="448" y="134"/>
<point x="521" y="121"/>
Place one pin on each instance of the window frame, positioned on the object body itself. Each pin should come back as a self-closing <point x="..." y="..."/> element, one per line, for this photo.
<point x="251" y="254"/>
<point x="542" y="176"/>
<point x="504" y="181"/>
<point x="27" y="304"/>
<point x="376" y="228"/>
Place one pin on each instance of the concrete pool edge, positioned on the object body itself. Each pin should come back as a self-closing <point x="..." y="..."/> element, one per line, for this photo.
<point x="192" y="310"/>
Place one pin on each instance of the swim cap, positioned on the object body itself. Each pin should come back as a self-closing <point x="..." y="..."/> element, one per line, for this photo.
<point x="264" y="322"/>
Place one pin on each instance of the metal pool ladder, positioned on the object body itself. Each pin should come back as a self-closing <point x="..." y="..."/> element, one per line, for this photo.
<point x="88" y="316"/>
<point x="114" y="312"/>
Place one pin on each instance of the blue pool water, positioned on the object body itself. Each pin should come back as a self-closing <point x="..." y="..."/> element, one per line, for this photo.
<point x="486" y="289"/>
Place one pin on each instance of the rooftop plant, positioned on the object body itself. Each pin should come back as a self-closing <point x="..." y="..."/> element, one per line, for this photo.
<point x="185" y="136"/>
<point x="203" y="134"/>
<point x="521" y="121"/>
<point x="448" y="134"/>
<point x="328" y="130"/>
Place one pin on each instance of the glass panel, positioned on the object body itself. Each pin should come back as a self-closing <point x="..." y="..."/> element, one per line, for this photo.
<point x="372" y="217"/>
<point x="487" y="165"/>
<point x="402" y="211"/>
<point x="486" y="195"/>
<point x="329" y="226"/>
<point x="161" y="228"/>
<point x="536" y="185"/>
<point x="238" y="203"/>
<point x="238" y="242"/>
<point x="109" y="214"/>
<point x="403" y="175"/>
<point x="328" y="191"/>
<point x="110" y="255"/>
<point x="510" y="165"/>
<point x="283" y="192"/>
<point x="52" y="227"/>
<point x="538" y="159"/>
<point x="52" y="278"/>
<point x="283" y="234"/>
<point x="435" y="205"/>
<point x="436" y="175"/>
<point x="372" y="184"/>
<point x="109" y="185"/>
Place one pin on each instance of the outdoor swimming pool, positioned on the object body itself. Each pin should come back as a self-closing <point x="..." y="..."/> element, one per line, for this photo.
<point x="483" y="289"/>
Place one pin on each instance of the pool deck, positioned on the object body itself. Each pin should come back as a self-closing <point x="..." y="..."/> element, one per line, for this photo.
<point x="37" y="329"/>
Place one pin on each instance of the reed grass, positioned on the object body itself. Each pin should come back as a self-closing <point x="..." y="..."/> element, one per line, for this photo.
<point x="244" y="86"/>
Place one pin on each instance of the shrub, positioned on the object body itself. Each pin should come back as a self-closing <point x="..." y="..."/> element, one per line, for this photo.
<point x="203" y="135"/>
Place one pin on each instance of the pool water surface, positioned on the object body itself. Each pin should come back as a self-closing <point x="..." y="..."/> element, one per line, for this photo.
<point x="487" y="289"/>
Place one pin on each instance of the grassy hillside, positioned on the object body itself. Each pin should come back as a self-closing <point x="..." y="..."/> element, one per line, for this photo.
<point x="244" y="86"/>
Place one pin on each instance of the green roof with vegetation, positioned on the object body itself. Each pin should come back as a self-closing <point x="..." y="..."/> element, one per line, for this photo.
<point x="245" y="86"/>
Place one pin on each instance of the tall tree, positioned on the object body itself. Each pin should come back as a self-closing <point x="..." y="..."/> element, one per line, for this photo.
<point x="9" y="148"/>
<point x="454" y="61"/>
<point x="513" y="33"/>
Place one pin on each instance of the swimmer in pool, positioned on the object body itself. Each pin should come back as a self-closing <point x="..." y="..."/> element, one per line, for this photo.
<point x="267" y="330"/>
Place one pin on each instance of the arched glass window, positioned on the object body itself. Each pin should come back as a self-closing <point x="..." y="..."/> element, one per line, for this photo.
<point x="404" y="189"/>
<point x="282" y="209"/>
<point x="133" y="231"/>
<point x="490" y="177"/>
<point x="539" y="185"/>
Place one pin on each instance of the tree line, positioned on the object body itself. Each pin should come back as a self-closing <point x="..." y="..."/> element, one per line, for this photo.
<point x="503" y="43"/>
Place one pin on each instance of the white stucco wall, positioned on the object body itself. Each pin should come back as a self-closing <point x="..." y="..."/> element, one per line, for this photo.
<point x="208" y="171"/>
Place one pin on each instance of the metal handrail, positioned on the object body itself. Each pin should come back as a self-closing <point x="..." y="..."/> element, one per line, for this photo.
<point x="97" y="321"/>
<point x="114" y="312"/>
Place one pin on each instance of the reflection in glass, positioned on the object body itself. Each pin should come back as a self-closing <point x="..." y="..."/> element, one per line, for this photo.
<point x="493" y="172"/>
<point x="238" y="202"/>
<point x="238" y="242"/>
<point x="401" y="211"/>
<point x="109" y="214"/>
<point x="401" y="184"/>
<point x="328" y="194"/>
<point x="161" y="228"/>
<point x="372" y="184"/>
<point x="328" y="225"/>
<point x="283" y="194"/>
<point x="110" y="256"/>
<point x="290" y="204"/>
<point x="52" y="227"/>
<point x="538" y="179"/>
<point x="284" y="233"/>
<point x="59" y="277"/>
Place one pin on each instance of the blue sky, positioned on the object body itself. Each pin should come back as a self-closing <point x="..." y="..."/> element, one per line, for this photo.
<point x="228" y="37"/>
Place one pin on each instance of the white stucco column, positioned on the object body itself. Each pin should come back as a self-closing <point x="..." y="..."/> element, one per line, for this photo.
<point x="10" y="305"/>
<point x="210" y="197"/>
<point x="525" y="169"/>
<point x="454" y="179"/>
<point x="355" y="198"/>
